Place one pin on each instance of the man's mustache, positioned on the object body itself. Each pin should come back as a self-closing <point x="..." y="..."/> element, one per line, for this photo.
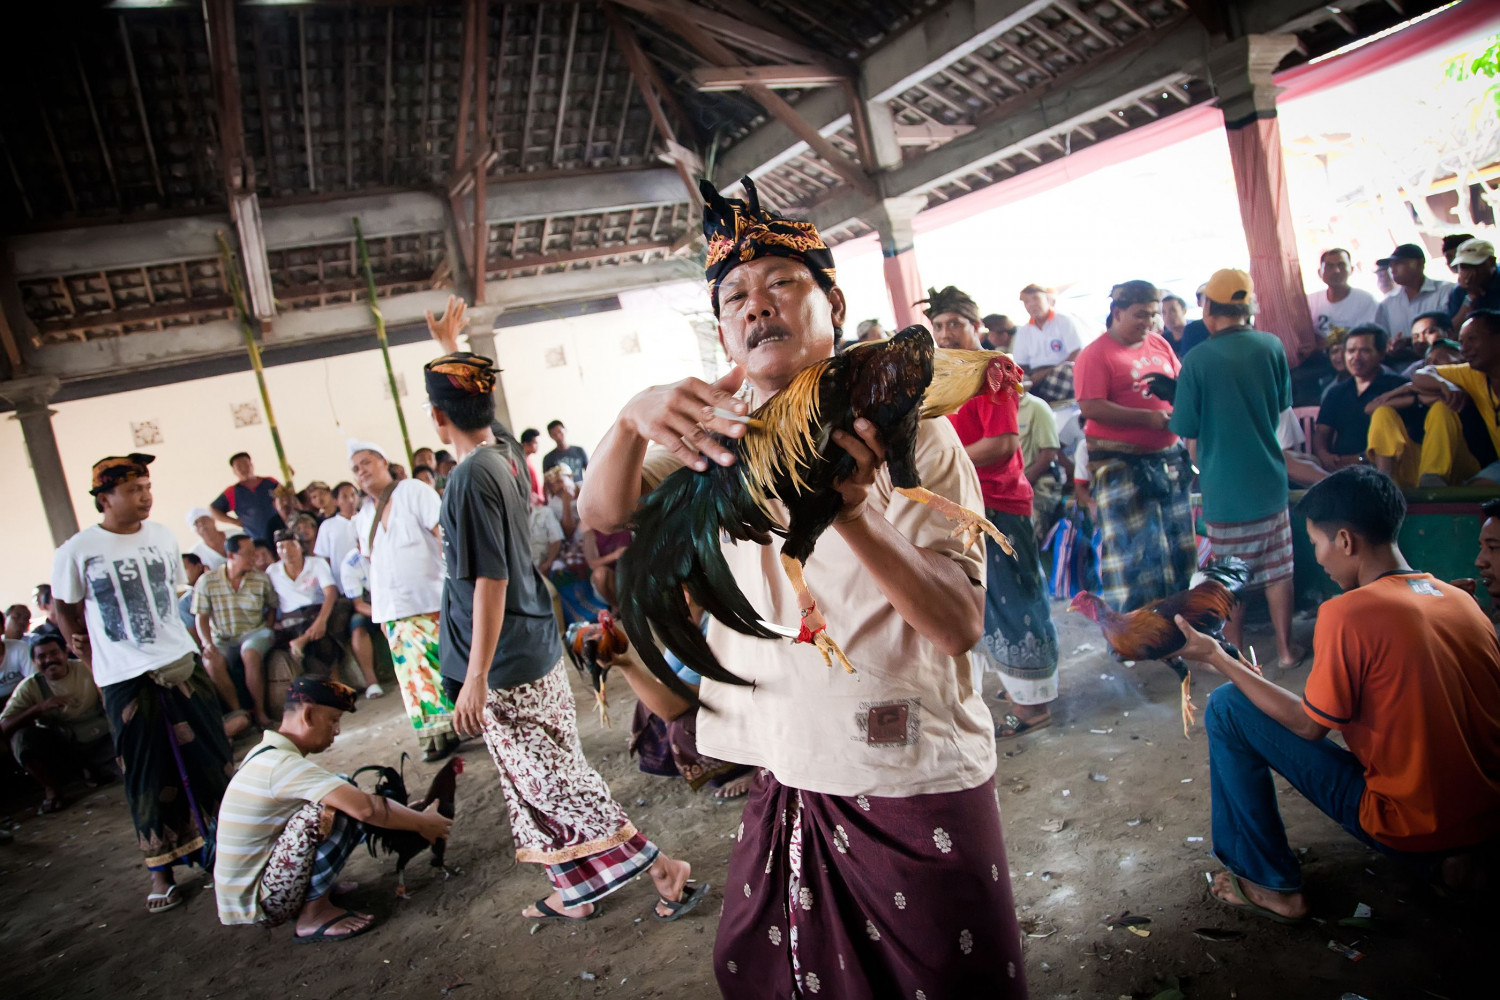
<point x="764" y="332"/>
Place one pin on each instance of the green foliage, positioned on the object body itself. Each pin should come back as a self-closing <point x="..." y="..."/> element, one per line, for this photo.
<point x="1486" y="64"/>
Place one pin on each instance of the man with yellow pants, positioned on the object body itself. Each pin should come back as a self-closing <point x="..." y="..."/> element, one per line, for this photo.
<point x="1464" y="397"/>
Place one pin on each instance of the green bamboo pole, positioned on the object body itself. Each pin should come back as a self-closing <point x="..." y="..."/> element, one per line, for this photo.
<point x="385" y="344"/>
<point x="242" y="314"/>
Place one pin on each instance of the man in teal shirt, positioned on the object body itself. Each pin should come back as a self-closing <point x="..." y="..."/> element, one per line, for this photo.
<point x="1228" y="401"/>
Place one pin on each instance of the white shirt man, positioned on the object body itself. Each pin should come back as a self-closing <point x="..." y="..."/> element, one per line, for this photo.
<point x="1049" y="341"/>
<point x="335" y="538"/>
<point x="406" y="562"/>
<point x="306" y="590"/>
<point x="1415" y="292"/>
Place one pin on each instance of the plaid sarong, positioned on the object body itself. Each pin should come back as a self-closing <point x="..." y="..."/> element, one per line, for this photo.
<point x="1266" y="545"/>
<point x="306" y="860"/>
<point x="1146" y="527"/>
<point x="1057" y="386"/>
<point x="561" y="812"/>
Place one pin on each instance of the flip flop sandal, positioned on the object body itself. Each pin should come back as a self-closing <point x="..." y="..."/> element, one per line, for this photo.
<point x="171" y="896"/>
<point x="50" y="806"/>
<point x="1019" y="728"/>
<point x="548" y="913"/>
<point x="1246" y="906"/>
<point x="321" y="934"/>
<point x="692" y="895"/>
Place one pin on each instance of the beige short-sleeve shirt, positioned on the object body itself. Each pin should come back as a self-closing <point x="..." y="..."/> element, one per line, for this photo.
<point x="909" y="722"/>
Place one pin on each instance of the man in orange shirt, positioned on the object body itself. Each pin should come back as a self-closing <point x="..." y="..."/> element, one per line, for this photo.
<point x="1406" y="667"/>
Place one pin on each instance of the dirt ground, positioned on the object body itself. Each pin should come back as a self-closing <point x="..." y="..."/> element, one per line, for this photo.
<point x="1131" y="791"/>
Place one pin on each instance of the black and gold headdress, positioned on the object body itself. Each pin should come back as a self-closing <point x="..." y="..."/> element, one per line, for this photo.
<point x="739" y="231"/>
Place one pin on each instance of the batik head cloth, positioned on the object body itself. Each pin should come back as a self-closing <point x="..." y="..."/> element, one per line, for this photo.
<point x="116" y="469"/>
<point x="310" y="690"/>
<point x="950" y="300"/>
<point x="458" y="376"/>
<point x="738" y="231"/>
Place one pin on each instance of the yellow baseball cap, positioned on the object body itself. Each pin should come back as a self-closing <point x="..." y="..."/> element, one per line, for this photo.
<point x="1229" y="287"/>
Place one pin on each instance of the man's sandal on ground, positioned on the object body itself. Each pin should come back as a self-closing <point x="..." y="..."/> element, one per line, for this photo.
<point x="692" y="895"/>
<point x="321" y="934"/>
<point x="1012" y="725"/>
<point x="546" y="912"/>
<point x="1245" y="905"/>
<point x="173" y="897"/>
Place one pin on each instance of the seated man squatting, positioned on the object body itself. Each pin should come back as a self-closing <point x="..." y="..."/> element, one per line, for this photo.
<point x="1407" y="668"/>
<point x="287" y="826"/>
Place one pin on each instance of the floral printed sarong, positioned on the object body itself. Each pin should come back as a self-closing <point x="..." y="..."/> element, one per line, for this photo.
<point x="414" y="654"/>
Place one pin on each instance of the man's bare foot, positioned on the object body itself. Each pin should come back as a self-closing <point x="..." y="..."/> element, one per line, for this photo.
<point x="264" y="721"/>
<point x="1292" y="905"/>
<point x="316" y="916"/>
<point x="554" y="903"/>
<point x="1290" y="658"/>
<point x="736" y="789"/>
<point x="671" y="878"/>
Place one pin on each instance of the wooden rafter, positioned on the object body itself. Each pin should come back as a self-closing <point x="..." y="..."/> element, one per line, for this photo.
<point x="709" y="79"/>
<point x="580" y="254"/>
<point x="741" y="35"/>
<point x="1086" y="23"/>
<point x="651" y="88"/>
<point x="562" y="93"/>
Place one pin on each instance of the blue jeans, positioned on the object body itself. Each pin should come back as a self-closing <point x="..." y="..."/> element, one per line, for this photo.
<point x="1244" y="746"/>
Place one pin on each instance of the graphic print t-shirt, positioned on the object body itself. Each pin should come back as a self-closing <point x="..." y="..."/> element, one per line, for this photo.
<point x="128" y="586"/>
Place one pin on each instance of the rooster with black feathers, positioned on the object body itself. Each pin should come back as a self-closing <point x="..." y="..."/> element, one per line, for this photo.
<point x="407" y="844"/>
<point x="789" y="457"/>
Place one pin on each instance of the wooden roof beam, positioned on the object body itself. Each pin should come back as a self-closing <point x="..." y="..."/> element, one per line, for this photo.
<point x="652" y="92"/>
<point x="714" y="79"/>
<point x="741" y="35"/>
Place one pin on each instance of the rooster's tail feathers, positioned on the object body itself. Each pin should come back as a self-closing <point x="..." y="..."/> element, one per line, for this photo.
<point x="676" y="545"/>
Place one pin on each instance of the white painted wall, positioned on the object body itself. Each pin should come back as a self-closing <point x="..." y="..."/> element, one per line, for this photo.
<point x="320" y="404"/>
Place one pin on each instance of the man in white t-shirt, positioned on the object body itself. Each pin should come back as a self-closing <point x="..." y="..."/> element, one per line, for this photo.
<point x="287" y="826"/>
<point x="121" y="576"/>
<point x="1339" y="308"/>
<point x="210" y="548"/>
<point x="398" y="533"/>
<point x="1047" y="346"/>
<point x="336" y="533"/>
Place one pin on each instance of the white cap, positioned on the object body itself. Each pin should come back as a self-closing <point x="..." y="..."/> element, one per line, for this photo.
<point x="1474" y="252"/>
<point x="197" y="512"/>
<point x="357" y="445"/>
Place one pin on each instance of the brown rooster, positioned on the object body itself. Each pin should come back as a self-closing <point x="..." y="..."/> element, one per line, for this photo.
<point x="1151" y="633"/>
<point x="592" y="647"/>
<point x="407" y="844"/>
<point x="789" y="455"/>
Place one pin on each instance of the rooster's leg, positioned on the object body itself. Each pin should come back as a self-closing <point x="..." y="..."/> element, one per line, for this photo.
<point x="603" y="705"/>
<point x="1189" y="712"/>
<point x="813" y="622"/>
<point x="401" y="883"/>
<point x="971" y="526"/>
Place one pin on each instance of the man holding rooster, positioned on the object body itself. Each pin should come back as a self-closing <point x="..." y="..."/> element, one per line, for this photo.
<point x="876" y="793"/>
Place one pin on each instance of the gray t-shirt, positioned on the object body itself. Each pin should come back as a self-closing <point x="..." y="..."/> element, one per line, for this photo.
<point x="487" y="533"/>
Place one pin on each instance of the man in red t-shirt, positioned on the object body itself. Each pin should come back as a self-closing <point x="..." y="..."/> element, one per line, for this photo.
<point x="1407" y="668"/>
<point x="1140" y="471"/>
<point x="1019" y="640"/>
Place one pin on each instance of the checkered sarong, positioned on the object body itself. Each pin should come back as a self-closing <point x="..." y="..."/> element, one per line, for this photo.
<point x="1146" y="528"/>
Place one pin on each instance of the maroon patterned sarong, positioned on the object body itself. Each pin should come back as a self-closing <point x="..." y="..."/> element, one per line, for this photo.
<point x="864" y="897"/>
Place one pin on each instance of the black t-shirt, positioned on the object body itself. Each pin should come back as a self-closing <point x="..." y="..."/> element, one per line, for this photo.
<point x="574" y="457"/>
<point x="487" y="532"/>
<point x="1343" y="409"/>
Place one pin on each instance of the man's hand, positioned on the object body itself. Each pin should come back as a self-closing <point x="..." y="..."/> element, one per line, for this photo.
<point x="446" y="330"/>
<point x="1158" y="419"/>
<point x="1467" y="584"/>
<point x="435" y="826"/>
<point x="212" y="658"/>
<point x="468" y="708"/>
<point x="679" y="417"/>
<point x="1205" y="649"/>
<point x="314" y="632"/>
<point x="56" y="703"/>
<point x="1452" y="396"/>
<point x="868" y="452"/>
<point x="80" y="646"/>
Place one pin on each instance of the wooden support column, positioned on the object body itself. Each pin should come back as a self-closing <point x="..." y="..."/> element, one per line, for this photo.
<point x="480" y="222"/>
<point x="1241" y="73"/>
<point x="892" y="219"/>
<point x="31" y="396"/>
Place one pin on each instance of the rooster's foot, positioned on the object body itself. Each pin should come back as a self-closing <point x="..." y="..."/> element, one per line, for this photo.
<point x="401" y="892"/>
<point x="971" y="525"/>
<point x="1189" y="710"/>
<point x="831" y="652"/>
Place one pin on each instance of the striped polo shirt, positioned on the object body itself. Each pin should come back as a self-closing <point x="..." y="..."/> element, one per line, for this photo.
<point x="271" y="785"/>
